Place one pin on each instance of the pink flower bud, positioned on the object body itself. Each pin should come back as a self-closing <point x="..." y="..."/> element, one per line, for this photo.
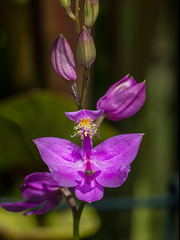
<point x="62" y="59"/>
<point x="123" y="99"/>
<point x="86" y="51"/>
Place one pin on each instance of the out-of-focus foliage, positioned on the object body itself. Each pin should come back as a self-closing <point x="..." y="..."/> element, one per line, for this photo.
<point x="54" y="225"/>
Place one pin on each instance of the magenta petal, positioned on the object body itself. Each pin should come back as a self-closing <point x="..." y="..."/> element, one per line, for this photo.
<point x="18" y="206"/>
<point x="117" y="150"/>
<point x="63" y="159"/>
<point x="41" y="181"/>
<point x="119" y="86"/>
<point x="37" y="196"/>
<point x="132" y="99"/>
<point x="113" y="176"/>
<point x="39" y="187"/>
<point x="52" y="202"/>
<point x="113" y="157"/>
<point x="84" y="114"/>
<point x="89" y="191"/>
<point x="126" y="103"/>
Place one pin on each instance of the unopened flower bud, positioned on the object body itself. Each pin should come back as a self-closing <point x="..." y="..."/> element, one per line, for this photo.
<point x="123" y="99"/>
<point x="65" y="3"/>
<point x="62" y="59"/>
<point x="86" y="51"/>
<point x="91" y="11"/>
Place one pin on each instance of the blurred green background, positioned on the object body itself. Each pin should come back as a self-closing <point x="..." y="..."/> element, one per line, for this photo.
<point x="131" y="36"/>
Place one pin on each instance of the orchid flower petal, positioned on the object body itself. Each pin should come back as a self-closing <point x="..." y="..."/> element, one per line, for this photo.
<point x="39" y="179"/>
<point x="18" y="206"/>
<point x="89" y="191"/>
<point x="113" y="176"/>
<point x="63" y="159"/>
<point x="117" y="150"/>
<point x="84" y="114"/>
<point x="113" y="157"/>
<point x="52" y="202"/>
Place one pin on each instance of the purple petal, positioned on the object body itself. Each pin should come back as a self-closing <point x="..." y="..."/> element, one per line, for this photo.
<point x="18" y="206"/>
<point x="39" y="180"/>
<point x="84" y="114"/>
<point x="113" y="157"/>
<point x="36" y="195"/>
<point x="131" y="100"/>
<point x="117" y="150"/>
<point x="89" y="191"/>
<point x="47" y="206"/>
<point x="63" y="159"/>
<point x="39" y="187"/>
<point x="120" y="86"/>
<point x="113" y="176"/>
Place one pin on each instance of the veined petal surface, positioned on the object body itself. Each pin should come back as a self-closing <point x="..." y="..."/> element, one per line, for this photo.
<point x="63" y="159"/>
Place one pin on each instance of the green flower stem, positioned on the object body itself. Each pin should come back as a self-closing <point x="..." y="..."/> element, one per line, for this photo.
<point x="86" y="79"/>
<point x="76" y="94"/>
<point x="76" y="218"/>
<point x="70" y="14"/>
<point x="77" y="24"/>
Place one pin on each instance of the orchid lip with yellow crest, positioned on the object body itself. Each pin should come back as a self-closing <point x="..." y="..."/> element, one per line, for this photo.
<point x="85" y="122"/>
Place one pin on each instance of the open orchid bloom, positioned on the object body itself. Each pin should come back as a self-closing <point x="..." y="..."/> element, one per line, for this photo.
<point x="86" y="169"/>
<point x="123" y="99"/>
<point x="38" y="188"/>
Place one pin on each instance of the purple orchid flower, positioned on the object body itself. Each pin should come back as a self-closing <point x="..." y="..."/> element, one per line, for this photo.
<point x="38" y="188"/>
<point x="123" y="99"/>
<point x="88" y="170"/>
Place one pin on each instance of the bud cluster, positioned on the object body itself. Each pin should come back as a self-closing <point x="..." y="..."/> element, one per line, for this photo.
<point x="62" y="57"/>
<point x="123" y="99"/>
